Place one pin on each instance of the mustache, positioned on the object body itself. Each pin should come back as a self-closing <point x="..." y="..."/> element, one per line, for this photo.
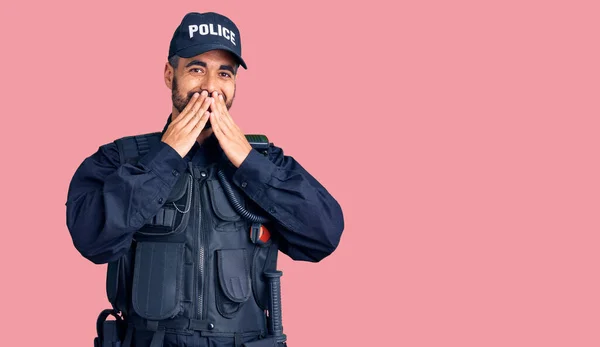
<point x="191" y="93"/>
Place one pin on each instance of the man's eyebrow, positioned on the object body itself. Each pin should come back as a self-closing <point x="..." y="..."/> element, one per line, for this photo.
<point x="228" y="68"/>
<point x="203" y="64"/>
<point x="196" y="62"/>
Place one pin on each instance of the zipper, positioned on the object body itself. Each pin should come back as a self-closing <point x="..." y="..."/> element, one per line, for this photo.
<point x="201" y="253"/>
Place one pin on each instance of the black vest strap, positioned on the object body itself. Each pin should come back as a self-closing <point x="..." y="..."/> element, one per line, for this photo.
<point x="178" y="323"/>
<point x="158" y="339"/>
<point x="128" y="336"/>
<point x="132" y="147"/>
<point x="237" y="340"/>
<point x="100" y="321"/>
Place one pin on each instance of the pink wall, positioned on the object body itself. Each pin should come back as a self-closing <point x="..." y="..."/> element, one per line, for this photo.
<point x="462" y="143"/>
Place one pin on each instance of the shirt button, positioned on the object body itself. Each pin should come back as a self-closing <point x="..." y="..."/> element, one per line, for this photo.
<point x="203" y="174"/>
<point x="244" y="184"/>
<point x="211" y="326"/>
<point x="160" y="200"/>
<point x="175" y="173"/>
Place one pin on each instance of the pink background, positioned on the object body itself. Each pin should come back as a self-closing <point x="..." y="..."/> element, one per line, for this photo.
<point x="462" y="141"/>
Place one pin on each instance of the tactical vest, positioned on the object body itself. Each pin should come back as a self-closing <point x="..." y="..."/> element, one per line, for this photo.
<point x="202" y="263"/>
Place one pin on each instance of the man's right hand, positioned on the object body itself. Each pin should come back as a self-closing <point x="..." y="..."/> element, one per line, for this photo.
<point x="185" y="129"/>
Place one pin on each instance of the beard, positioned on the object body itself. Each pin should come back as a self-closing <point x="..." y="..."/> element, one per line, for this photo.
<point x="180" y="100"/>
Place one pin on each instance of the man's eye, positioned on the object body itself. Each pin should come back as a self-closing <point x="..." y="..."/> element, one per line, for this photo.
<point x="196" y="70"/>
<point x="225" y="74"/>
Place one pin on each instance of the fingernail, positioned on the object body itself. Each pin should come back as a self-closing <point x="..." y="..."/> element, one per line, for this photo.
<point x="220" y="96"/>
<point x="196" y="94"/>
<point x="204" y="93"/>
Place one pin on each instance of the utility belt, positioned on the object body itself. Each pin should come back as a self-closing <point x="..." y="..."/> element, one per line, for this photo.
<point x="119" y="332"/>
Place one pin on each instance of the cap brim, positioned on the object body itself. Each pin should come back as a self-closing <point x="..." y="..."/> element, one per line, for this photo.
<point x="200" y="48"/>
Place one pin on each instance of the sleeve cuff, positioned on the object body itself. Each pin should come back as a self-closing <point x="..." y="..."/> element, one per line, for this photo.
<point x="254" y="172"/>
<point x="164" y="161"/>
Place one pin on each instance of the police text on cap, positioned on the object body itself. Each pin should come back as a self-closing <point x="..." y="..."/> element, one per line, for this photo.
<point x="209" y="29"/>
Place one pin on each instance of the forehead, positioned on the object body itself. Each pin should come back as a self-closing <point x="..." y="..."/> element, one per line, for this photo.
<point x="214" y="57"/>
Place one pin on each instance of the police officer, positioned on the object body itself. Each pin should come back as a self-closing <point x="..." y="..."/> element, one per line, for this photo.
<point x="190" y="219"/>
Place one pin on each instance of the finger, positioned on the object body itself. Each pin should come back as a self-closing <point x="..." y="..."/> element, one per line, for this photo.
<point x="222" y="115"/>
<point x="187" y="108"/>
<point x="217" y="110"/>
<point x="187" y="117"/>
<point x="187" y="111"/>
<point x="218" y="104"/>
<point x="223" y="125"/>
<point x="227" y="119"/>
<point x="198" y="114"/>
<point x="200" y="125"/>
<point x="217" y="127"/>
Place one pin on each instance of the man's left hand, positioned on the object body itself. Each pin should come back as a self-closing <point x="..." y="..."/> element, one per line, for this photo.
<point x="231" y="139"/>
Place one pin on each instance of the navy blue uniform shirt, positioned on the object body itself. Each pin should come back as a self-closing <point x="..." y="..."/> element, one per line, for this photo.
<point x="108" y="202"/>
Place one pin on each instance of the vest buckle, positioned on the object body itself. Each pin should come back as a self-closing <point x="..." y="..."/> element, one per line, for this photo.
<point x="259" y="234"/>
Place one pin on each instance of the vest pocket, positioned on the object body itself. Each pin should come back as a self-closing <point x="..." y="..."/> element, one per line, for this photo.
<point x="118" y="281"/>
<point x="259" y="284"/>
<point x="157" y="280"/>
<point x="172" y="218"/>
<point x="227" y="218"/>
<point x="233" y="277"/>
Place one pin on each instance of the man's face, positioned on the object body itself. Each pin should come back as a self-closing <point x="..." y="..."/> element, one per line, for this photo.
<point x="211" y="71"/>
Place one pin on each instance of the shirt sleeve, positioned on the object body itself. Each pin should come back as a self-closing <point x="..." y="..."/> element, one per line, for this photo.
<point x="308" y="220"/>
<point x="107" y="202"/>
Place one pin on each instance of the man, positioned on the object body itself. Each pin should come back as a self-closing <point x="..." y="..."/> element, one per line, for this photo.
<point x="190" y="219"/>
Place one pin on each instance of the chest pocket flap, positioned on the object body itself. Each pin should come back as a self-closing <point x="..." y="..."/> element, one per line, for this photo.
<point x="220" y="203"/>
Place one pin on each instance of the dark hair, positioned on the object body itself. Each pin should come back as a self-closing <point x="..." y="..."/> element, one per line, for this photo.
<point x="174" y="61"/>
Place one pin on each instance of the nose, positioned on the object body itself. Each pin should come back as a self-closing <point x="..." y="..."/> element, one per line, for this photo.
<point x="209" y="83"/>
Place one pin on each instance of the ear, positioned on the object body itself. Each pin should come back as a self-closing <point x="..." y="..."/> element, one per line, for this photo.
<point x="169" y="73"/>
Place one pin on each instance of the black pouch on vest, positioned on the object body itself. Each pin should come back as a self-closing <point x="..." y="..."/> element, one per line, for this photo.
<point x="227" y="218"/>
<point x="173" y="216"/>
<point x="233" y="281"/>
<point x="118" y="280"/>
<point x="264" y="260"/>
<point x="158" y="280"/>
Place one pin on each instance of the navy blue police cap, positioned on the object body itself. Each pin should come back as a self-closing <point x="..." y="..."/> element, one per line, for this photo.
<point x="202" y="32"/>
